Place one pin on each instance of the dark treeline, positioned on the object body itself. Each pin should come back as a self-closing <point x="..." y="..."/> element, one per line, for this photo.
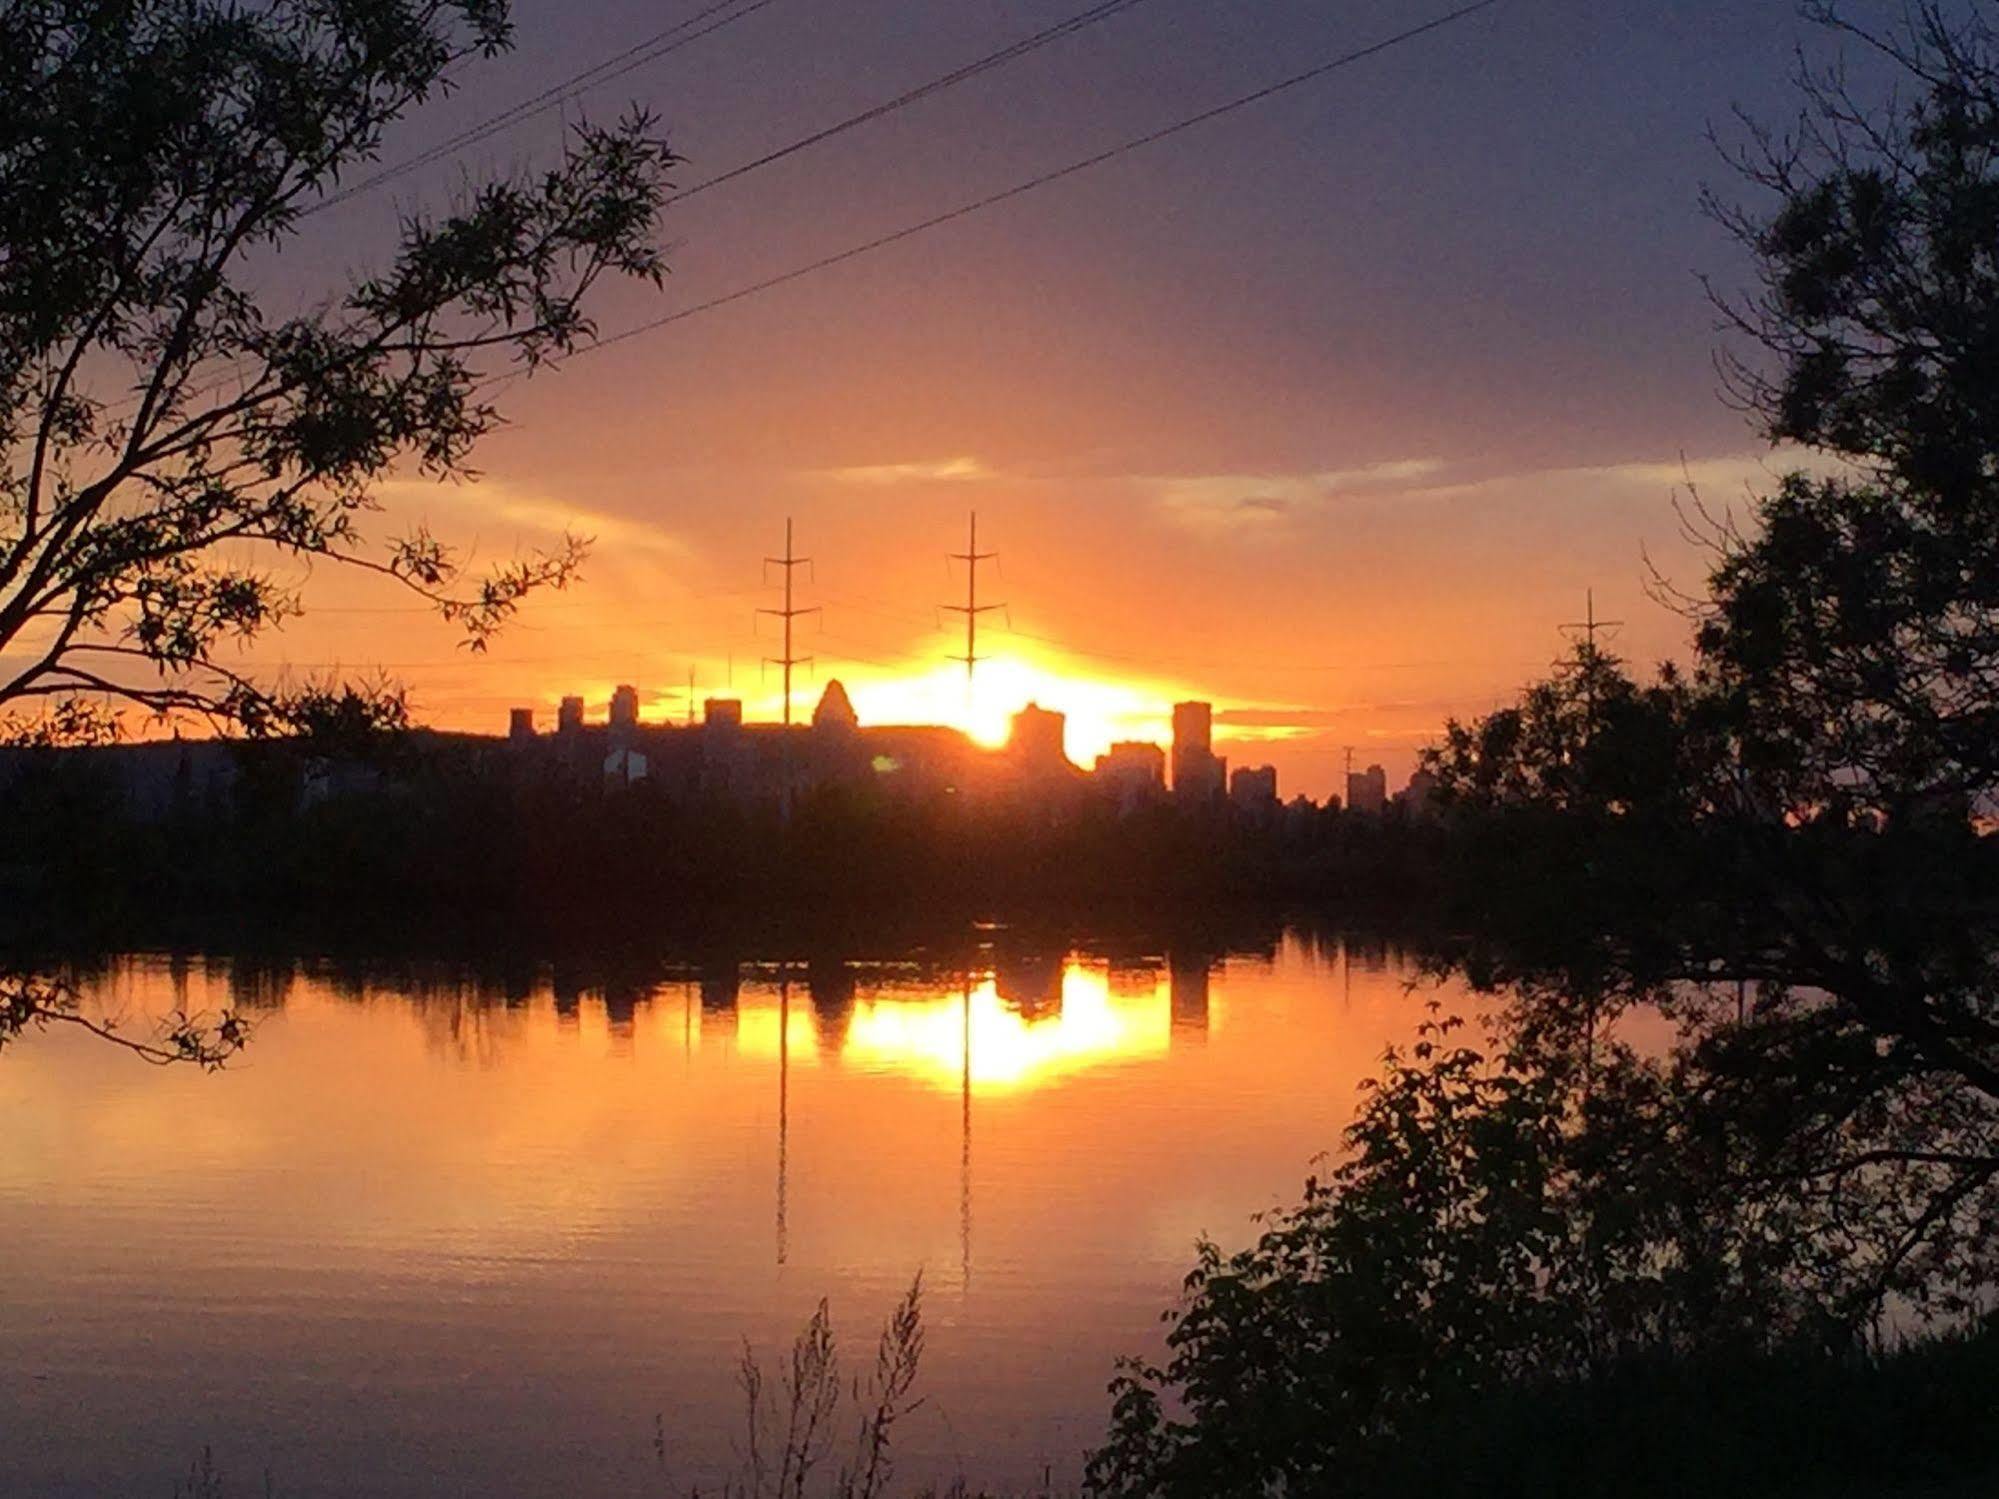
<point x="439" y="832"/>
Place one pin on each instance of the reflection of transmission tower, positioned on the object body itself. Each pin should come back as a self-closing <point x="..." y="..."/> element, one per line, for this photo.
<point x="790" y="562"/>
<point x="783" y="1094"/>
<point x="965" y="1148"/>
<point x="971" y="609"/>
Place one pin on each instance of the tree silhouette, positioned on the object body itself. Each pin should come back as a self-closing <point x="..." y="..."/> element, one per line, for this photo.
<point x="1781" y="852"/>
<point x="167" y="434"/>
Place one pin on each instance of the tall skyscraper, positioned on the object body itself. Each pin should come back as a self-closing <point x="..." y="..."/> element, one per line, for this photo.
<point x="1198" y="776"/>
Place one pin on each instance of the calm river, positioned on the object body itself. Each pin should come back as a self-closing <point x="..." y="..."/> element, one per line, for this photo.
<point x="446" y="1233"/>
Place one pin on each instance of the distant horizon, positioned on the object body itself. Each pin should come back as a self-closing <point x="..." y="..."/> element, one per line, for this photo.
<point x="596" y="709"/>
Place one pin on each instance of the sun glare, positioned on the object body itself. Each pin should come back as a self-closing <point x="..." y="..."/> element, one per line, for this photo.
<point x="1100" y="712"/>
<point x="926" y="1038"/>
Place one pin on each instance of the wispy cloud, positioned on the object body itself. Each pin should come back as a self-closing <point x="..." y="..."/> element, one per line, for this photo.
<point x="1280" y="718"/>
<point x="1259" y="502"/>
<point x="936" y="471"/>
<point x="1252" y="722"/>
<point x="1250" y="504"/>
<point x="1732" y="471"/>
<point x="485" y="502"/>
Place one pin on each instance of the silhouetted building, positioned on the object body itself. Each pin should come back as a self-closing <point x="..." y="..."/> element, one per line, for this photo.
<point x="569" y="717"/>
<point x="1199" y="775"/>
<point x="1193" y="731"/>
<point x="1132" y="774"/>
<point x="1419" y="797"/>
<point x="836" y="755"/>
<point x="520" y="724"/>
<point x="725" y="757"/>
<point x="1037" y="740"/>
<point x="836" y="709"/>
<point x="1253" y="788"/>
<point x="625" y="707"/>
<point x="1367" y="791"/>
<point x="920" y="760"/>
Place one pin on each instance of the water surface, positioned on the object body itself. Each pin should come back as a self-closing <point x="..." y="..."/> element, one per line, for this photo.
<point x="444" y="1232"/>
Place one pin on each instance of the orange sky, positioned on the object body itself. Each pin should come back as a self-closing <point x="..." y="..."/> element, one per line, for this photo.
<point x="1329" y="413"/>
<point x="1124" y="594"/>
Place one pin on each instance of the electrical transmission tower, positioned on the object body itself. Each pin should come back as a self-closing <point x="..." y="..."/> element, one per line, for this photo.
<point x="790" y="562"/>
<point x="1589" y="624"/>
<point x="971" y="609"/>
<point x="1588" y="659"/>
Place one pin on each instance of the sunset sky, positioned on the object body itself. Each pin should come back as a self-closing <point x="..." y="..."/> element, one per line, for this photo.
<point x="1329" y="411"/>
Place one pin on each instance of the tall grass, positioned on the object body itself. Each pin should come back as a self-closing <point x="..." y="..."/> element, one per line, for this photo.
<point x="793" y="1425"/>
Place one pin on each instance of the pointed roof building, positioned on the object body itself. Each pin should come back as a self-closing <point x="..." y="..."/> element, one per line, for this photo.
<point x="835" y="710"/>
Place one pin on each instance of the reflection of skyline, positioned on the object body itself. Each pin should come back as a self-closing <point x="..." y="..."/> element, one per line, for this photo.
<point x="1083" y="1026"/>
<point x="1032" y="1015"/>
<point x="1030" y="981"/>
<point x="995" y="1045"/>
<point x="1188" y="978"/>
<point x="1030" y="1019"/>
<point x="1077" y="1023"/>
<point x="403" y="1145"/>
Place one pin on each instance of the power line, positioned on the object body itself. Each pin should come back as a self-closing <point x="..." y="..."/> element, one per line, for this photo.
<point x="554" y="97"/>
<point x="894" y="237"/>
<point x="681" y="34"/>
<point x="658" y="45"/>
<point x="1079" y="22"/>
<point x="1044" y="179"/>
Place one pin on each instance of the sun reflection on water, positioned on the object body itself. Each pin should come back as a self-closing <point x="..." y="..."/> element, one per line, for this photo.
<point x="1008" y="1045"/>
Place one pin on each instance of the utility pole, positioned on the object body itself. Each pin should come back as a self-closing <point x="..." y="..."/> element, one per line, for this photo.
<point x="790" y="562"/>
<point x="971" y="609"/>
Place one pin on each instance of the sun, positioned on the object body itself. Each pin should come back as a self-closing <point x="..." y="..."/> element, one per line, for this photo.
<point x="1100" y="712"/>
